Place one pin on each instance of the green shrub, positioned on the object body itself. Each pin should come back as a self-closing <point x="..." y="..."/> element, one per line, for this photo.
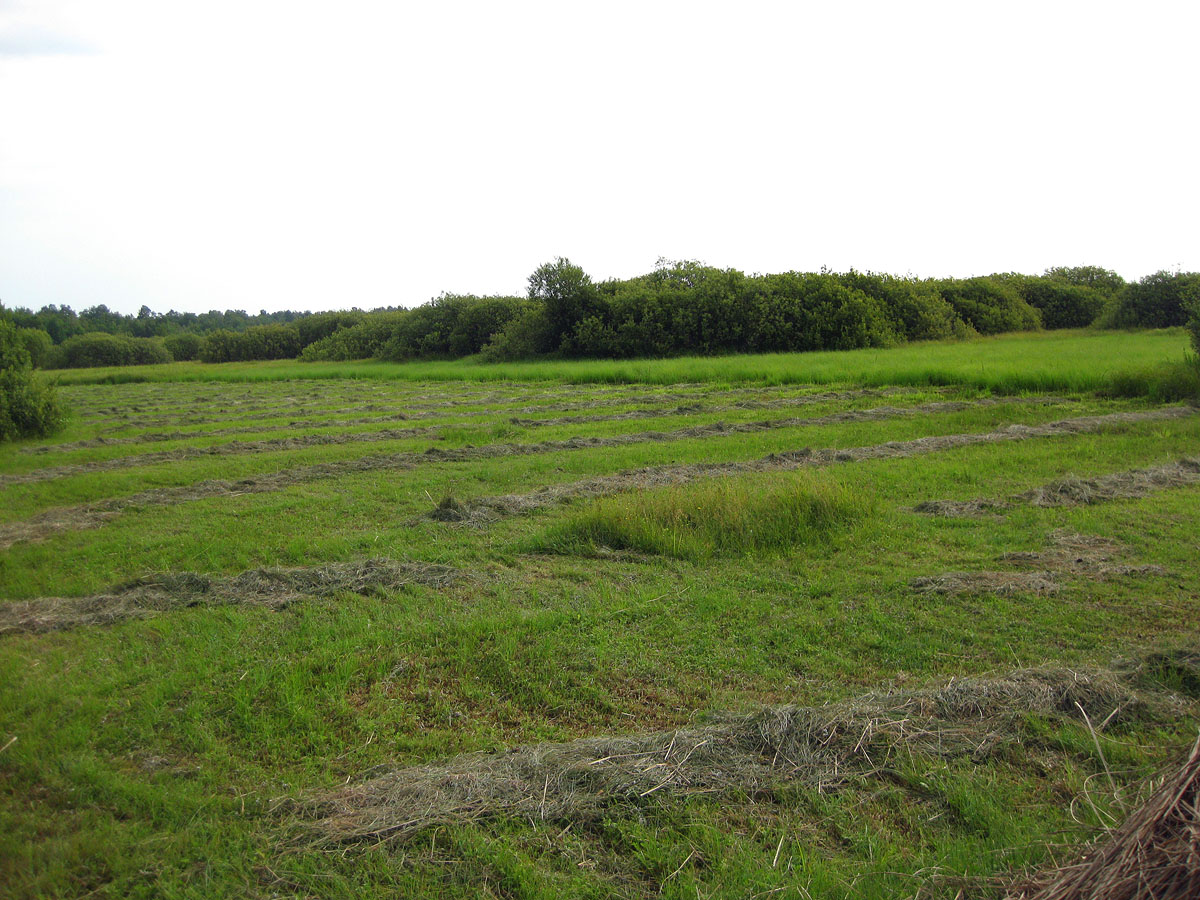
<point x="1160" y="300"/>
<point x="1193" y="325"/>
<point x="362" y="341"/>
<point x="98" y="348"/>
<point x="28" y="406"/>
<point x="452" y="325"/>
<point x="1062" y="304"/>
<point x="38" y="344"/>
<point x="916" y="309"/>
<point x="321" y="325"/>
<point x="527" y="335"/>
<point x="990" y="305"/>
<point x="184" y="346"/>
<point x="714" y="517"/>
<point x="257" y="342"/>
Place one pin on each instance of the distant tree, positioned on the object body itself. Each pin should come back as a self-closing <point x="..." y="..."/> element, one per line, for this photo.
<point x="569" y="297"/>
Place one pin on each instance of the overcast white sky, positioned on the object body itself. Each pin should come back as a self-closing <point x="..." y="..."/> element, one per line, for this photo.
<point x="272" y="155"/>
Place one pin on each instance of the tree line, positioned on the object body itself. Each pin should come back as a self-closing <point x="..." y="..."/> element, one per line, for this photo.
<point x="681" y="307"/>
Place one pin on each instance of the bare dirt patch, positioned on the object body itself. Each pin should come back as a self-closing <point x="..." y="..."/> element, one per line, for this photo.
<point x="747" y="754"/>
<point x="153" y="595"/>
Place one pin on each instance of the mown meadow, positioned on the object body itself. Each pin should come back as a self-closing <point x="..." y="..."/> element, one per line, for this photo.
<point x="877" y="623"/>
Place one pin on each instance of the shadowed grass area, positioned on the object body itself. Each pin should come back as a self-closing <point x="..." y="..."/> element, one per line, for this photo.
<point x="759" y="514"/>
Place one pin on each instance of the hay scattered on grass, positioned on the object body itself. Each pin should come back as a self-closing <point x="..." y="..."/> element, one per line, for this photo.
<point x="1073" y="491"/>
<point x="159" y="437"/>
<point x="747" y="754"/>
<point x="1001" y="583"/>
<point x="484" y="510"/>
<point x="1153" y="855"/>
<point x="94" y="515"/>
<point x="1068" y="555"/>
<point x="153" y="595"/>
<point x="962" y="509"/>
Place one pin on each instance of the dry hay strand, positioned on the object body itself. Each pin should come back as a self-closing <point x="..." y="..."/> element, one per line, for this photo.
<point x="158" y="437"/>
<point x="1153" y="855"/>
<point x="1067" y="555"/>
<point x="748" y="754"/>
<point x="274" y="588"/>
<point x="740" y="405"/>
<point x="1081" y="556"/>
<point x="1000" y="583"/>
<point x="481" y="510"/>
<point x="962" y="509"/>
<point x="1072" y="491"/>
<point x="233" y="448"/>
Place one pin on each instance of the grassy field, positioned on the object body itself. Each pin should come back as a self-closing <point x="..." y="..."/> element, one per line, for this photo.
<point x="882" y="624"/>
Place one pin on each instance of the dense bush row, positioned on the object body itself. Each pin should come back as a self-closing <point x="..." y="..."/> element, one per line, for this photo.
<point x="62" y="322"/>
<point x="679" y="308"/>
<point x="453" y="325"/>
<point x="99" y="348"/>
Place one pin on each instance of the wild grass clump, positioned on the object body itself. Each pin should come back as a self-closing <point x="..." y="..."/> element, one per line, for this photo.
<point x="733" y="517"/>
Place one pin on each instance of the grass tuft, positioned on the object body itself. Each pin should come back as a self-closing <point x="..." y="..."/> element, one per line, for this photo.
<point x="734" y="517"/>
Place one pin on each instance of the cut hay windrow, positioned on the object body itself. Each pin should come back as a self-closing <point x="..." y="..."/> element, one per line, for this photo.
<point x="232" y="448"/>
<point x="1067" y="556"/>
<point x="745" y="755"/>
<point x="153" y="595"/>
<point x="299" y="442"/>
<point x="482" y="510"/>
<point x="1153" y="855"/>
<point x="530" y="402"/>
<point x="654" y="412"/>
<point x="95" y="514"/>
<point x="160" y="437"/>
<point x="1073" y="491"/>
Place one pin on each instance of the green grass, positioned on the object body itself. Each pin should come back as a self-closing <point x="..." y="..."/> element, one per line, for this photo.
<point x="1129" y="363"/>
<point x="727" y="517"/>
<point x="161" y="758"/>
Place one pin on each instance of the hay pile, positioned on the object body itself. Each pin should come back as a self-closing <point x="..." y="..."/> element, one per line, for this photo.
<point x="749" y="754"/>
<point x="153" y="595"/>
<point x="1154" y="855"/>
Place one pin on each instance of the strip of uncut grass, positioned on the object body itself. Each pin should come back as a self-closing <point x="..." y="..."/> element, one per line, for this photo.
<point x="726" y="517"/>
<point x="1071" y="360"/>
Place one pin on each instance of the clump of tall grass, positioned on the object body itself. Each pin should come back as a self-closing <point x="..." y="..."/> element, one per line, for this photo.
<point x="711" y="518"/>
